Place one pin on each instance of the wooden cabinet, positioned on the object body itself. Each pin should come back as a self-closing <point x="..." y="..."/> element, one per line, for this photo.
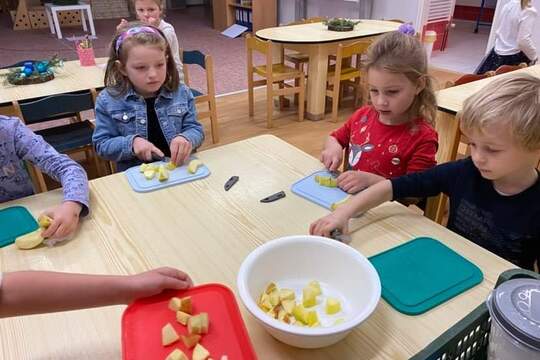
<point x="255" y="14"/>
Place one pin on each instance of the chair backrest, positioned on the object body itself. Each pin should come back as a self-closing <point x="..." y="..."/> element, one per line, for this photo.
<point x="263" y="47"/>
<point x="508" y="68"/>
<point x="195" y="57"/>
<point x="55" y="106"/>
<point x="314" y="19"/>
<point x="355" y="49"/>
<point x="467" y="78"/>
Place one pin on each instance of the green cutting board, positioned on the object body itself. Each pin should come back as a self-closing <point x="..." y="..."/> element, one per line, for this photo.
<point x="423" y="273"/>
<point x="14" y="222"/>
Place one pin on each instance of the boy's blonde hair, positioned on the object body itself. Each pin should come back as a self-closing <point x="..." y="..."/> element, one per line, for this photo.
<point x="404" y="54"/>
<point x="512" y="100"/>
<point x="117" y="82"/>
<point x="159" y="3"/>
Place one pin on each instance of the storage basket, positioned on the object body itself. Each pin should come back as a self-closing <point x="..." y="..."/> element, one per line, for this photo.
<point x="468" y="339"/>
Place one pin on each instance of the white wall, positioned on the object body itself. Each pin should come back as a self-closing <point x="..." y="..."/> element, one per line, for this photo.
<point x="407" y="10"/>
<point x="497" y="20"/>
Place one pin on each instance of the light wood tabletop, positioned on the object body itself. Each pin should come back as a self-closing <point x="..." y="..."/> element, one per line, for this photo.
<point x="318" y="33"/>
<point x="318" y="42"/>
<point x="71" y="77"/>
<point x="451" y="100"/>
<point x="208" y="232"/>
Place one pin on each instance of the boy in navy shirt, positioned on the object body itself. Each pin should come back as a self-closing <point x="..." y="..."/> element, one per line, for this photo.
<point x="494" y="194"/>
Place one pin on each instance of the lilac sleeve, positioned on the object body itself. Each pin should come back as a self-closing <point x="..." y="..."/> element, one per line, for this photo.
<point x="60" y="167"/>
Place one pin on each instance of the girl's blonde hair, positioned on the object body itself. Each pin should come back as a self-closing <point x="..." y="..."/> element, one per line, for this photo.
<point x="404" y="54"/>
<point x="512" y="100"/>
<point x="117" y="82"/>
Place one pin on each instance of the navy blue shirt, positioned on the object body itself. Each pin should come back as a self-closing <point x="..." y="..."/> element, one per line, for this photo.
<point x="508" y="226"/>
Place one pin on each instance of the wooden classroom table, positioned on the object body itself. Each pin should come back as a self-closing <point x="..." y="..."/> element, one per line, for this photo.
<point x="208" y="232"/>
<point x="317" y="41"/>
<point x="71" y="77"/>
<point x="451" y="100"/>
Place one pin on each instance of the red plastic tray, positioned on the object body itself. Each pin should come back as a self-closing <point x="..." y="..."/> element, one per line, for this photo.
<point x="227" y="335"/>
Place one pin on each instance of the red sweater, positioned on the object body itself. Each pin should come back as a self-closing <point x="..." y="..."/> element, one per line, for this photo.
<point x="387" y="150"/>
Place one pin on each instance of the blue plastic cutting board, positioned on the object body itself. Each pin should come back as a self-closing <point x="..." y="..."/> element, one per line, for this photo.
<point x="423" y="273"/>
<point x="177" y="176"/>
<point x="14" y="222"/>
<point x="322" y="195"/>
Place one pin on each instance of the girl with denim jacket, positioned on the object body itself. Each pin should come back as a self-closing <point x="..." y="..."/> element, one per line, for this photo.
<point x="18" y="143"/>
<point x="144" y="113"/>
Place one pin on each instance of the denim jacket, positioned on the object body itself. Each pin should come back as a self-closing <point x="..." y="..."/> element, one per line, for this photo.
<point x="119" y="119"/>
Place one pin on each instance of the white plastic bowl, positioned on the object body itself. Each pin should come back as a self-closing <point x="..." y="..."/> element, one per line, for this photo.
<point x="305" y="258"/>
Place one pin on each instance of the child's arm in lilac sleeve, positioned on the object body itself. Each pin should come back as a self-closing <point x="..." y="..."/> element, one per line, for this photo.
<point x="60" y="167"/>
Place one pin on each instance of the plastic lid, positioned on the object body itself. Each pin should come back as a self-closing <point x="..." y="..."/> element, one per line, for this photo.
<point x="515" y="305"/>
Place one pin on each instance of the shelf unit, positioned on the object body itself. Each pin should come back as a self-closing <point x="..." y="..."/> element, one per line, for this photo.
<point x="259" y="15"/>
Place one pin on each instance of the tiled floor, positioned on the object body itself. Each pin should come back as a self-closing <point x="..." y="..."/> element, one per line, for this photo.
<point x="465" y="49"/>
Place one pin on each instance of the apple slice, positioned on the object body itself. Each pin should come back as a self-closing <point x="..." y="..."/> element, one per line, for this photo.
<point x="168" y="335"/>
<point x="182" y="317"/>
<point x="198" y="324"/>
<point x="177" y="354"/>
<point x="190" y="340"/>
<point x="200" y="353"/>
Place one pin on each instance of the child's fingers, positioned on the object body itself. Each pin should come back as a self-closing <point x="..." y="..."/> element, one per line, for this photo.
<point x="51" y="230"/>
<point x="174" y="152"/>
<point x="155" y="150"/>
<point x="175" y="273"/>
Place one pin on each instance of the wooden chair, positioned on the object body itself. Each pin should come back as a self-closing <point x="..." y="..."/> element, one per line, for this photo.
<point x="508" y="68"/>
<point x="272" y="73"/>
<point x="447" y="127"/>
<point x="467" y="78"/>
<point x="70" y="138"/>
<point x="346" y="73"/>
<point x="196" y="57"/>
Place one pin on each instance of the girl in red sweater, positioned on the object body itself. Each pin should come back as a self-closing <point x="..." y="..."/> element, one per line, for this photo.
<point x="392" y="136"/>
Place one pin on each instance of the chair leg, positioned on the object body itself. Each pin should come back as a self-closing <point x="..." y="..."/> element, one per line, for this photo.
<point x="97" y="163"/>
<point x="335" y="101"/>
<point x="269" y="104"/>
<point x="300" y="67"/>
<point x="357" y="90"/>
<point x="41" y="185"/>
<point x="281" y="85"/>
<point x="301" y="98"/>
<point x="213" y="120"/>
<point x="250" y="93"/>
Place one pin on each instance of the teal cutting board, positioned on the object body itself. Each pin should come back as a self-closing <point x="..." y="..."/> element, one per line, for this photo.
<point x="14" y="222"/>
<point x="423" y="273"/>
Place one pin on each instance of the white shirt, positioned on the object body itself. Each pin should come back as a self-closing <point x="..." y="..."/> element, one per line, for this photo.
<point x="515" y="31"/>
<point x="170" y="35"/>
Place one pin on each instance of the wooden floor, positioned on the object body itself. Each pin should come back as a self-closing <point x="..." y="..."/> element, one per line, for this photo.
<point x="309" y="136"/>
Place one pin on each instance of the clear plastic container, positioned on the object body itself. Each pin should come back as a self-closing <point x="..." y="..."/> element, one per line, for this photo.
<point x="429" y="39"/>
<point x="514" y="307"/>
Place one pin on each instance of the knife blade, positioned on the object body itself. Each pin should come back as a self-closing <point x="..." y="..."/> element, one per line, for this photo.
<point x="336" y="234"/>
<point x="274" y="197"/>
<point x="229" y="184"/>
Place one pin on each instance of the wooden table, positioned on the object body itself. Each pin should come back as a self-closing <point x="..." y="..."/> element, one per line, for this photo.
<point x="70" y="77"/>
<point x="314" y="39"/>
<point x="208" y="232"/>
<point x="451" y="100"/>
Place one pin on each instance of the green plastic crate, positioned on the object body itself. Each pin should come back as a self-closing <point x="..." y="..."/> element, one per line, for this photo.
<point x="468" y="339"/>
